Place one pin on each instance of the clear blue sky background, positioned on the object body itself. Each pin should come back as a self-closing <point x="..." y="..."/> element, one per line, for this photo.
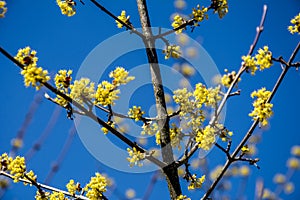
<point x="64" y="42"/>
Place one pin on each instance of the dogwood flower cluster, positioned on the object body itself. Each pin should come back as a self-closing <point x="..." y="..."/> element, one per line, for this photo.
<point x="149" y="128"/>
<point x="32" y="74"/>
<point x="110" y="123"/>
<point x="95" y="188"/>
<point x="296" y="25"/>
<point x="3" y="9"/>
<point x="62" y="82"/>
<point x="123" y="18"/>
<point x="262" y="110"/>
<point x="67" y="7"/>
<point x="261" y="61"/>
<point x="199" y="14"/>
<point x="178" y="21"/>
<point x="196" y="182"/>
<point x="136" y="113"/>
<point x="72" y="187"/>
<point x="172" y="51"/>
<point x="220" y="7"/>
<point x="182" y="197"/>
<point x="82" y="90"/>
<point x="176" y="136"/>
<point x="135" y="157"/>
<point x="120" y="76"/>
<point x="206" y="137"/>
<point x="228" y="78"/>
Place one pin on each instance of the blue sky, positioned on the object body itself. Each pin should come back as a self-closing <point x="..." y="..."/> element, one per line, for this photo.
<point x="63" y="42"/>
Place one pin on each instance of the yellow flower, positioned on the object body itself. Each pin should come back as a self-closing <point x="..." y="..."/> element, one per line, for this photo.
<point x="264" y="58"/>
<point x="182" y="98"/>
<point x="296" y="25"/>
<point x="196" y="182"/>
<point x="244" y="170"/>
<point x="182" y="197"/>
<point x="279" y="178"/>
<point x="199" y="14"/>
<point x="135" y="157"/>
<point x="220" y="6"/>
<point x="67" y="7"/>
<point x="267" y="194"/>
<point x="200" y="94"/>
<point x="178" y="21"/>
<point x="96" y="187"/>
<point x="123" y="18"/>
<point x="30" y="176"/>
<point x="213" y="96"/>
<point x="42" y="196"/>
<point x="228" y="78"/>
<point x="106" y="94"/>
<point x="17" y="168"/>
<point x="149" y="128"/>
<point x="295" y="150"/>
<point x="289" y="188"/>
<point x="120" y="76"/>
<point x="136" y="113"/>
<point x="206" y="138"/>
<point x="105" y="130"/>
<point x="250" y="64"/>
<point x="262" y="110"/>
<point x="62" y="82"/>
<point x="172" y="51"/>
<point x="57" y="196"/>
<point x="32" y="74"/>
<point x="245" y="149"/>
<point x="293" y="163"/>
<point x="82" y="91"/>
<point x="71" y="187"/>
<point x="3" y="9"/>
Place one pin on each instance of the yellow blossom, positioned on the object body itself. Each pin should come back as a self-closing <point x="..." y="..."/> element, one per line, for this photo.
<point x="135" y="157"/>
<point x="17" y="168"/>
<point x="149" y="128"/>
<point x="17" y="143"/>
<point x="32" y="74"/>
<point x="120" y="76"/>
<point x="293" y="163"/>
<point x="220" y="6"/>
<point x="105" y="130"/>
<point x="106" y="94"/>
<point x="296" y="25"/>
<point x="244" y="170"/>
<point x="213" y="96"/>
<point x="136" y="113"/>
<point x="199" y="14"/>
<point x="82" y="91"/>
<point x="178" y="21"/>
<point x="228" y="78"/>
<point x="182" y="98"/>
<point x="245" y="149"/>
<point x="95" y="188"/>
<point x="187" y="70"/>
<point x="67" y="7"/>
<point x="264" y="58"/>
<point x="200" y="94"/>
<point x="182" y="197"/>
<point x="172" y="51"/>
<point x="42" y="196"/>
<point x="267" y="194"/>
<point x="296" y="150"/>
<point x="279" y="178"/>
<point x="262" y="110"/>
<point x="62" y="82"/>
<point x="3" y="9"/>
<point x="57" y="196"/>
<point x="130" y="193"/>
<point x="123" y="18"/>
<point x="71" y="187"/>
<point x="30" y="176"/>
<point x="215" y="172"/>
<point x="196" y="182"/>
<point x="206" y="138"/>
<point x="289" y="188"/>
<point x="250" y="64"/>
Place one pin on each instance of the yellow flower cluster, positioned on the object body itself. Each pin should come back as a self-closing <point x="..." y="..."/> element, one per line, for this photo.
<point x="106" y="94"/>
<point x="33" y="75"/>
<point x="263" y="59"/>
<point x="135" y="157"/>
<point x="136" y="113"/>
<point x="175" y="136"/>
<point x="120" y="76"/>
<point x="62" y="82"/>
<point x="72" y="187"/>
<point x="220" y="6"/>
<point x="96" y="187"/>
<point x="3" y="9"/>
<point x="262" y="110"/>
<point x="293" y="163"/>
<point x="149" y="128"/>
<point x="57" y="196"/>
<point x="206" y="137"/>
<point x="296" y="150"/>
<point x="200" y="94"/>
<point x="213" y="96"/>
<point x="199" y="14"/>
<point x="30" y="176"/>
<point x="228" y="78"/>
<point x="196" y="182"/>
<point x="182" y="197"/>
<point x="178" y="21"/>
<point x="82" y="91"/>
<point x="67" y="7"/>
<point x="296" y="25"/>
<point x="123" y="18"/>
<point x="172" y="51"/>
<point x="105" y="130"/>
<point x="182" y="98"/>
